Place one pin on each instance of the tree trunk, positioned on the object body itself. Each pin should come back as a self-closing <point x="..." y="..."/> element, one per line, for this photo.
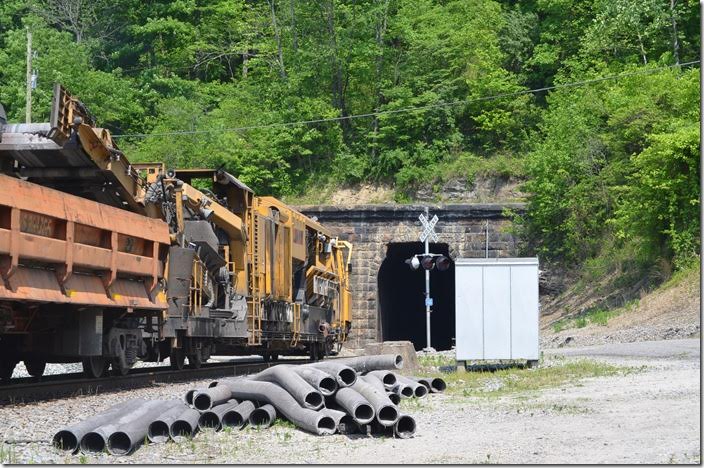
<point x="277" y="36"/>
<point x="338" y="94"/>
<point x="294" y="33"/>
<point x="379" y="68"/>
<point x="245" y="64"/>
<point x="675" y="41"/>
<point x="642" y="49"/>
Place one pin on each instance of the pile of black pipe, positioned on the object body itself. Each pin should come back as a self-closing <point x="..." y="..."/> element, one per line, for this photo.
<point x="358" y="395"/>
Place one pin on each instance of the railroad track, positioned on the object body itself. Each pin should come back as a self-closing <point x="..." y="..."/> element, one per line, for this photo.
<point x="28" y="389"/>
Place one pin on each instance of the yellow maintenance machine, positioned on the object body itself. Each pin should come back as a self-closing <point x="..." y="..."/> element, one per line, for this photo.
<point x="224" y="271"/>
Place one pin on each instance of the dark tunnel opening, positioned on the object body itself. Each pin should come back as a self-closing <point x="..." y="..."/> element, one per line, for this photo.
<point x="402" y="298"/>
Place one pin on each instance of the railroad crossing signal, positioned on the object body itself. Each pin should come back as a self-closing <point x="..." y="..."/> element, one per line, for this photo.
<point x="428" y="228"/>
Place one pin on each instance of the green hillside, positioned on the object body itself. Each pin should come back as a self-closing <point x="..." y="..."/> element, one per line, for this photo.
<point x="295" y="95"/>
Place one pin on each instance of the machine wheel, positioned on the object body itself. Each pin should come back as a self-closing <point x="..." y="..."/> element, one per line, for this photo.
<point x="7" y="367"/>
<point x="118" y="369"/>
<point x="35" y="367"/>
<point x="177" y="358"/>
<point x="195" y="361"/>
<point x="314" y="352"/>
<point x="95" y="366"/>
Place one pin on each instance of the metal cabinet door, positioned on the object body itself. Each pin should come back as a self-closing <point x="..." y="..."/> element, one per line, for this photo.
<point x="497" y="312"/>
<point x="468" y="312"/>
<point x="524" y="312"/>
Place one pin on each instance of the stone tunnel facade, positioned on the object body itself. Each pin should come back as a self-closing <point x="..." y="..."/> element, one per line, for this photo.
<point x="371" y="228"/>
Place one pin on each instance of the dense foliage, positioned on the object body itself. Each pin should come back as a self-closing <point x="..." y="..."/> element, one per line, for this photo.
<point x="608" y="164"/>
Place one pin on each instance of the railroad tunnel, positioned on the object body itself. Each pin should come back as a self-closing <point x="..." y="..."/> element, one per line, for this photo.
<point x="401" y="293"/>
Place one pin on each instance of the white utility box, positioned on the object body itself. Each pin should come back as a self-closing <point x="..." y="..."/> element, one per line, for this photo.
<point x="496" y="309"/>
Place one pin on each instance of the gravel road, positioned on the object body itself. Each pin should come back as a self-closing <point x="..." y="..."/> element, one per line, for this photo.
<point x="649" y="415"/>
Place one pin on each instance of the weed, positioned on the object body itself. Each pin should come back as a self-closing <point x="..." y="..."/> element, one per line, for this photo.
<point x="436" y="361"/>
<point x="516" y="380"/>
<point x="581" y="322"/>
<point x="7" y="454"/>
<point x="82" y="459"/>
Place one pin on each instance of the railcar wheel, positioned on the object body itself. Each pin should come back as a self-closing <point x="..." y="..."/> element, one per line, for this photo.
<point x="95" y="366"/>
<point x="195" y="361"/>
<point x="119" y="369"/>
<point x="177" y="359"/>
<point x="7" y="367"/>
<point x="35" y="367"/>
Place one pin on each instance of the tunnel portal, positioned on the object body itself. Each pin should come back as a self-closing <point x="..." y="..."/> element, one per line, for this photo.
<point x="401" y="293"/>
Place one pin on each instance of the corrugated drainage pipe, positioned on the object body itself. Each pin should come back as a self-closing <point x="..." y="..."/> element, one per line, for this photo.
<point x="304" y="418"/>
<point x="387" y="378"/>
<point x="419" y="390"/>
<point x="97" y="439"/>
<point x="188" y="396"/>
<point x="324" y="382"/>
<point x="403" y="390"/>
<point x="285" y="377"/>
<point x="132" y="434"/>
<point x="207" y="398"/>
<point x="212" y="418"/>
<point x="159" y="430"/>
<point x="344" y="375"/>
<point x="355" y="404"/>
<point x="185" y="425"/>
<point x="434" y="384"/>
<point x="239" y="415"/>
<point x="69" y="438"/>
<point x="386" y="412"/>
<point x="405" y="427"/>
<point x="262" y="417"/>
<point x="370" y="363"/>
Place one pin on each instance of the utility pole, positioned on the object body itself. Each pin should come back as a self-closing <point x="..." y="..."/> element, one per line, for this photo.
<point x="28" y="102"/>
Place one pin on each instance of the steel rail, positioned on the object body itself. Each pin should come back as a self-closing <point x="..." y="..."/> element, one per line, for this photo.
<point x="29" y="389"/>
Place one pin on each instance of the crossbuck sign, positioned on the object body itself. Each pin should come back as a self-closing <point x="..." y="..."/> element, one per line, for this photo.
<point x="428" y="228"/>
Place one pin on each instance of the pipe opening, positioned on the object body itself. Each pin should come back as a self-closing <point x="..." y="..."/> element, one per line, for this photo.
<point x="364" y="413"/>
<point x="158" y="432"/>
<point x="388" y="415"/>
<point x="405" y="427"/>
<point x="92" y="442"/>
<point x="119" y="443"/>
<point x="347" y="376"/>
<point x="421" y="391"/>
<point x="181" y="428"/>
<point x="398" y="361"/>
<point x="395" y="399"/>
<point x="406" y="391"/>
<point x="327" y="385"/>
<point x="389" y="379"/>
<point x="202" y="402"/>
<point x="260" y="419"/>
<point x="213" y="384"/>
<point x="313" y="400"/>
<point x="232" y="419"/>
<point x="188" y="397"/>
<point x="326" y="425"/>
<point x="209" y="420"/>
<point x="438" y="384"/>
<point x="66" y="440"/>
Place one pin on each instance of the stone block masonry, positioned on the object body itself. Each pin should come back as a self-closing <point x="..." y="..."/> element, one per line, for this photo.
<point x="370" y="228"/>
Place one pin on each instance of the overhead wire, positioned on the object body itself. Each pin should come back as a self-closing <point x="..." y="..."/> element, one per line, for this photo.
<point x="493" y="97"/>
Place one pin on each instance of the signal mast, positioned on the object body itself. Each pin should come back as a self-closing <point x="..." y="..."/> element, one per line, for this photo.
<point x="428" y="261"/>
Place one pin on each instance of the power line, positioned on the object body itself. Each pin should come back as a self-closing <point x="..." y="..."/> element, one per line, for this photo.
<point x="411" y="109"/>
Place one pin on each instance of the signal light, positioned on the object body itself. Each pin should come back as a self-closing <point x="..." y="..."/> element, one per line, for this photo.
<point x="428" y="262"/>
<point x="442" y="262"/>
<point x="413" y="262"/>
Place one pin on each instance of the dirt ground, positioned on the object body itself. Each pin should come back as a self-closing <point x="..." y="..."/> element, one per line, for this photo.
<point x="647" y="413"/>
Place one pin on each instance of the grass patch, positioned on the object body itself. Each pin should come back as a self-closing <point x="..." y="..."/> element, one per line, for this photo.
<point x="436" y="361"/>
<point x="513" y="381"/>
<point x="597" y="316"/>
